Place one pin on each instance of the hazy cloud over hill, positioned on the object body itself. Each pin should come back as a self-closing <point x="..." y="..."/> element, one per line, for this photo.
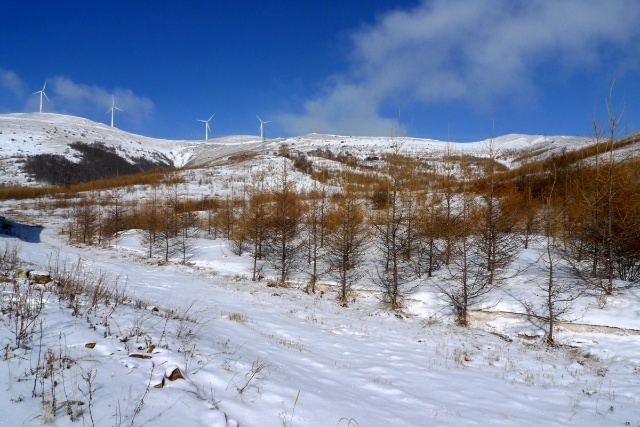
<point x="10" y="82"/>
<point x="73" y="97"/>
<point x="69" y="97"/>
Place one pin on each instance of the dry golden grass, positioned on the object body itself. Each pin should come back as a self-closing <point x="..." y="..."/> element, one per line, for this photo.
<point x="152" y="177"/>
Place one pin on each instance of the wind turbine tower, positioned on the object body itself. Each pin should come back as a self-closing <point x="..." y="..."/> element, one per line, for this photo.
<point x="112" y="109"/>
<point x="206" y="127"/>
<point x="41" y="92"/>
<point x="262" y="123"/>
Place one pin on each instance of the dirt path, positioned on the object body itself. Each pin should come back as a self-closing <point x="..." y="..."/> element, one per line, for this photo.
<point x="575" y="327"/>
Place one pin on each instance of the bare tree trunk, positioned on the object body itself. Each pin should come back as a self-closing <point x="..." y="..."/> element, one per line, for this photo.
<point x="550" y="291"/>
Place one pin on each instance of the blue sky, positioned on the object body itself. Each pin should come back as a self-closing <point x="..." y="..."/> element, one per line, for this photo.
<point x="332" y="66"/>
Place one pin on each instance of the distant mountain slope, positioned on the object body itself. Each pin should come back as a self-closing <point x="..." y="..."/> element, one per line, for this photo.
<point x="58" y="137"/>
<point x="71" y="147"/>
<point x="509" y="148"/>
<point x="63" y="140"/>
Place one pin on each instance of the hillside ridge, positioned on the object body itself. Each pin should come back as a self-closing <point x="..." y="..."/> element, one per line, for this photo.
<point x="23" y="135"/>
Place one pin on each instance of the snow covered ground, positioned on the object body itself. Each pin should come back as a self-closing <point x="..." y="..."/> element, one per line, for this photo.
<point x="277" y="356"/>
<point x="253" y="355"/>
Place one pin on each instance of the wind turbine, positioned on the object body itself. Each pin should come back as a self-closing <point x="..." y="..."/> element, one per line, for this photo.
<point x="41" y="92"/>
<point x="112" y="109"/>
<point x="206" y="127"/>
<point x="262" y="127"/>
<point x="262" y="131"/>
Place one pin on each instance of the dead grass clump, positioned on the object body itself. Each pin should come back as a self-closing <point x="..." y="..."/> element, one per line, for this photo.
<point x="238" y="317"/>
<point x="9" y="258"/>
<point x="21" y="306"/>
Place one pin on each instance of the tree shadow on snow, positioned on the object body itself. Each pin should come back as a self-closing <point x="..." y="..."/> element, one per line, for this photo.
<point x="24" y="232"/>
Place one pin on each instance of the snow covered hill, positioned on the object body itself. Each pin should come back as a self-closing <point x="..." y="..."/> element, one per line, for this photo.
<point x="100" y="343"/>
<point x="28" y="134"/>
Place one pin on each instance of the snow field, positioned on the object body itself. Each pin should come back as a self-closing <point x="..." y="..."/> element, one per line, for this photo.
<point x="361" y="363"/>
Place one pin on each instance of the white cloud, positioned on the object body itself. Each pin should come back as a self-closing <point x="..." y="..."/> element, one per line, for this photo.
<point x="347" y="110"/>
<point x="68" y="96"/>
<point x="477" y="52"/>
<point x="12" y="83"/>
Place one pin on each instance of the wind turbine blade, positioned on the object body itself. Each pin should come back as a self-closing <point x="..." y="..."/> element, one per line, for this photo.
<point x="259" y="119"/>
<point x="210" y="118"/>
<point x="45" y="85"/>
<point x="203" y="121"/>
<point x="267" y="122"/>
<point x="119" y="109"/>
<point x="45" y="95"/>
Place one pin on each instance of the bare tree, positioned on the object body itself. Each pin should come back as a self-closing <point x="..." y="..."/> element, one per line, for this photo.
<point x="315" y="223"/>
<point x="529" y="213"/>
<point x="150" y="222"/>
<point x="239" y="240"/>
<point x="467" y="280"/>
<point x="225" y="216"/>
<point x="82" y="220"/>
<point x="210" y="224"/>
<point x="448" y="186"/>
<point x="116" y="212"/>
<point x="601" y="214"/>
<point x="284" y="224"/>
<point x="499" y="245"/>
<point x="613" y="120"/>
<point x="430" y="234"/>
<point x="187" y="230"/>
<point x="168" y="227"/>
<point x="254" y="222"/>
<point x="587" y="212"/>
<point x="347" y="240"/>
<point x="393" y="228"/>
<point x="557" y="294"/>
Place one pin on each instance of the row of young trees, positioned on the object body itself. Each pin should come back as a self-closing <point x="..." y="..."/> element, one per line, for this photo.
<point x="169" y="221"/>
<point x="321" y="231"/>
<point x="403" y="227"/>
